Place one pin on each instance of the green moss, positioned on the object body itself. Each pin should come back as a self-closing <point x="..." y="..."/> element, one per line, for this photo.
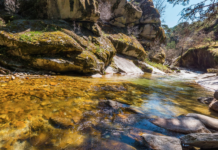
<point x="158" y="66"/>
<point x="32" y="36"/>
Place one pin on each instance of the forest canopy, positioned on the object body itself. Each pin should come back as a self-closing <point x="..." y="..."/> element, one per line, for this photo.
<point x="206" y="10"/>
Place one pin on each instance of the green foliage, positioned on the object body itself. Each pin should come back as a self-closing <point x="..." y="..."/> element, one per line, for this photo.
<point x="171" y="45"/>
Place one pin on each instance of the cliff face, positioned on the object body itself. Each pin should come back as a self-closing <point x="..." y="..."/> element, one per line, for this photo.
<point x="200" y="58"/>
<point x="76" y="35"/>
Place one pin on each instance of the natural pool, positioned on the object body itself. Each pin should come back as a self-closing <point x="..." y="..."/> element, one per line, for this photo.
<point x="69" y="113"/>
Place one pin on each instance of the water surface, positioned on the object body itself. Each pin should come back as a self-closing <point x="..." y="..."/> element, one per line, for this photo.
<point x="65" y="112"/>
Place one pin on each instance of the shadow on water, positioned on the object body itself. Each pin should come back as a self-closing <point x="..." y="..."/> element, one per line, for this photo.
<point x="67" y="113"/>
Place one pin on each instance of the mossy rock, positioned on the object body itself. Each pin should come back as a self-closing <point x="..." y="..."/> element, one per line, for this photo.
<point x="128" y="45"/>
<point x="203" y="57"/>
<point x="157" y="55"/>
<point x="54" y="46"/>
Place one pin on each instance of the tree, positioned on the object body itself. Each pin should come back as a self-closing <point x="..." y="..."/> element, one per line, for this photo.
<point x="206" y="10"/>
<point x="161" y="6"/>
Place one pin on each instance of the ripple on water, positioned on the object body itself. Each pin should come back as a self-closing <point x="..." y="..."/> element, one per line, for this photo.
<point x="65" y="112"/>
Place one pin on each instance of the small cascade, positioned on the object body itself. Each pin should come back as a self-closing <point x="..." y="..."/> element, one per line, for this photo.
<point x="155" y="70"/>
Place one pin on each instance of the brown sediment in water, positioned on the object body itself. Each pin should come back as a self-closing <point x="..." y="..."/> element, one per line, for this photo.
<point x="64" y="112"/>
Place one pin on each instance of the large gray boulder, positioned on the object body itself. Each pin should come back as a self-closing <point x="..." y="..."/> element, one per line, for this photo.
<point x="181" y="125"/>
<point x="202" y="140"/>
<point x="119" y="13"/>
<point x="155" y="142"/>
<point x="207" y="121"/>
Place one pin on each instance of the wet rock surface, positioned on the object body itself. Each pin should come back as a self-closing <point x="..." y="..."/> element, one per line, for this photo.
<point x="154" y="142"/>
<point x="205" y="100"/>
<point x="214" y="105"/>
<point x="207" y="121"/>
<point x="202" y="140"/>
<point x="182" y="124"/>
<point x="47" y="108"/>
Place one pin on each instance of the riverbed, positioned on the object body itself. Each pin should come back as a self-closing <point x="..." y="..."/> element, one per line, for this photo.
<point x="69" y="112"/>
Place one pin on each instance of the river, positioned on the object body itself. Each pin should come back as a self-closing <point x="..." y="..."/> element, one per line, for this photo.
<point x="66" y="112"/>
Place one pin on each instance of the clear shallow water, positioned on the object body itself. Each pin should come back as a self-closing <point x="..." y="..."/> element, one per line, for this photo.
<point x="66" y="113"/>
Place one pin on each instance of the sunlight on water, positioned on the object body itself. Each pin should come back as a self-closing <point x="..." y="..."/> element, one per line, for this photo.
<point x="66" y="112"/>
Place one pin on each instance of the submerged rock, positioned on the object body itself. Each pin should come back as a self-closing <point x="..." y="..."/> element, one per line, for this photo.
<point x="205" y="100"/>
<point x="155" y="142"/>
<point x="202" y="140"/>
<point x="182" y="125"/>
<point x="61" y="122"/>
<point x="207" y="121"/>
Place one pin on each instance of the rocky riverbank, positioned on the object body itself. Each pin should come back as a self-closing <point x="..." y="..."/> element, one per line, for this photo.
<point x="78" y="37"/>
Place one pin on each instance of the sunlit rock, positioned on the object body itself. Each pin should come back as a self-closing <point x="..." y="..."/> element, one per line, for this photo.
<point x="206" y="120"/>
<point x="128" y="45"/>
<point x="126" y="65"/>
<point x="119" y="13"/>
<point x="181" y="125"/>
<point x="60" y="48"/>
<point x="155" y="142"/>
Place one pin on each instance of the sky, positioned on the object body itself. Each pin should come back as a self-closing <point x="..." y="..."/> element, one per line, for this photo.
<point x="172" y="14"/>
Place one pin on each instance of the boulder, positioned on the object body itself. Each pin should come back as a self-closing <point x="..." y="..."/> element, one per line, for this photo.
<point x="126" y="65"/>
<point x="205" y="100"/>
<point x="198" y="58"/>
<point x="202" y="140"/>
<point x="148" y="31"/>
<point x="207" y="121"/>
<point x="216" y="94"/>
<point x="214" y="105"/>
<point x="155" y="142"/>
<point x="157" y="55"/>
<point x="150" y="14"/>
<point x="57" y="46"/>
<point x="79" y="10"/>
<point x="119" y="13"/>
<point x="128" y="45"/>
<point x="182" y="125"/>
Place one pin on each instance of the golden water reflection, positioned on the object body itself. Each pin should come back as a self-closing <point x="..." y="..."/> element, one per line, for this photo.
<point x="63" y="112"/>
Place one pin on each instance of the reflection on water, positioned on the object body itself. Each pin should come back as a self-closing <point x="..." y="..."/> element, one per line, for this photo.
<point x="66" y="112"/>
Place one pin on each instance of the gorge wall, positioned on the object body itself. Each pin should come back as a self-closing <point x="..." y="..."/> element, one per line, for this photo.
<point x="77" y="35"/>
